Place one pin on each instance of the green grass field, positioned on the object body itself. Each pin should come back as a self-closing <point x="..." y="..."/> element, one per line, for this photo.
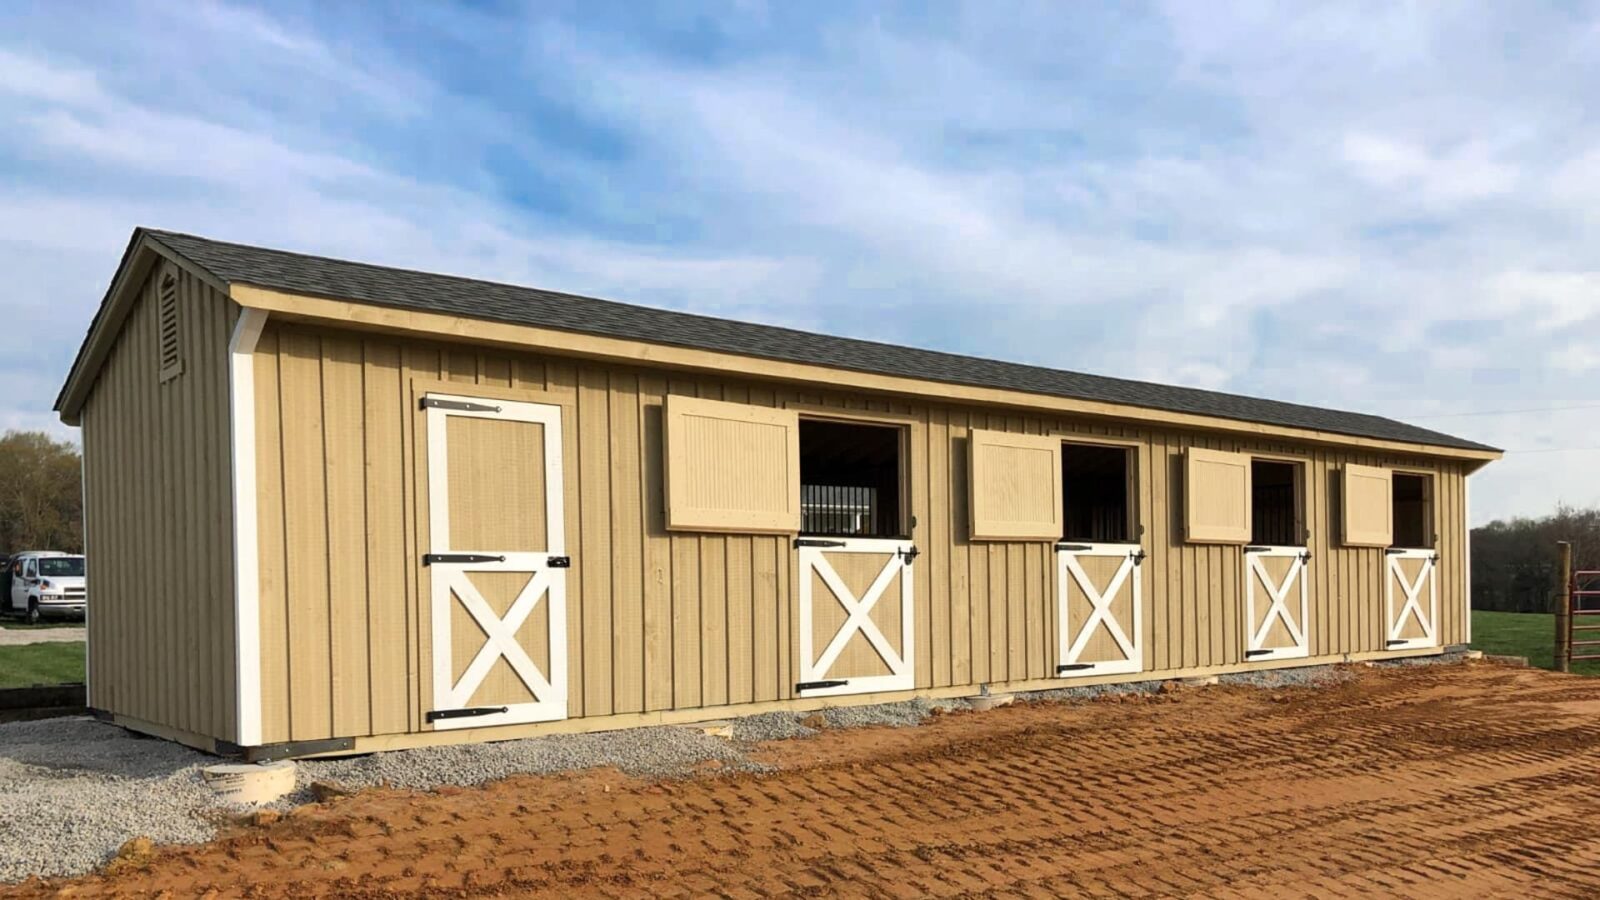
<point x="1525" y="634"/>
<point x="56" y="662"/>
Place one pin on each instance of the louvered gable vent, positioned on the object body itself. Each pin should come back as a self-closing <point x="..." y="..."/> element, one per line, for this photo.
<point x="171" y="347"/>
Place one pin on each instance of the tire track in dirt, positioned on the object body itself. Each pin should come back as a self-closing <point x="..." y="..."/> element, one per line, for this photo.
<point x="1448" y="781"/>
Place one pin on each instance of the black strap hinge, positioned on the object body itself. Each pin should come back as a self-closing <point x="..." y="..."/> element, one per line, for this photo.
<point x="1257" y="652"/>
<point x="1073" y="548"/>
<point x="457" y="405"/>
<point x="1256" y="549"/>
<point x="818" y="685"/>
<point x="1075" y="667"/>
<point x="465" y="713"/>
<point x="816" y="542"/>
<point x="558" y="562"/>
<point x="429" y="559"/>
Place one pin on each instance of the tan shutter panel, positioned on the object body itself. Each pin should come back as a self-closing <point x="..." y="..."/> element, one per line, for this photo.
<point x="1016" y="486"/>
<point x="731" y="467"/>
<point x="1368" y="506"/>
<point x="1216" y="503"/>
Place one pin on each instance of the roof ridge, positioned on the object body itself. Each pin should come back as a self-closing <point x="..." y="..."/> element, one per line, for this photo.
<point x="728" y="328"/>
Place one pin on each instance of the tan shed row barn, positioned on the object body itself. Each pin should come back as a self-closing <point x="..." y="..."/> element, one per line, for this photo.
<point x="694" y="563"/>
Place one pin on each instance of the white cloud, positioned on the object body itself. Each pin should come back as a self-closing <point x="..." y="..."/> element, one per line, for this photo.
<point x="1547" y="301"/>
<point x="1466" y="174"/>
<point x="27" y="77"/>
<point x="1369" y="207"/>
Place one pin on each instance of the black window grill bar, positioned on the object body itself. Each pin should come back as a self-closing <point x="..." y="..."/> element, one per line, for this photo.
<point x="847" y="511"/>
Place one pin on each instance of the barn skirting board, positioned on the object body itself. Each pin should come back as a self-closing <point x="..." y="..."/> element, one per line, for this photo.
<point x="203" y="743"/>
<point x="387" y="742"/>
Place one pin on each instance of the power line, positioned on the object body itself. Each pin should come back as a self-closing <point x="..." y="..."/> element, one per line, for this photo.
<point x="1556" y="450"/>
<point x="1506" y="412"/>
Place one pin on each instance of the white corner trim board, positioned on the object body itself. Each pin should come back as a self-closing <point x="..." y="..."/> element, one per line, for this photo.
<point x="246" y="549"/>
<point x="83" y="511"/>
<point x="1466" y="602"/>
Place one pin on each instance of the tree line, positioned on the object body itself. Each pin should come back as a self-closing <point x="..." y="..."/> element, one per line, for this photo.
<point x="1515" y="563"/>
<point x="41" y="493"/>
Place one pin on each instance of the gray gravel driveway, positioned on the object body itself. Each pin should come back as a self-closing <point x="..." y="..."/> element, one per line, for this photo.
<point x="15" y="637"/>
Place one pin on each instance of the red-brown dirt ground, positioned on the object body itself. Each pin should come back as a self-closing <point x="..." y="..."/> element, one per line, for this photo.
<point x="1466" y="780"/>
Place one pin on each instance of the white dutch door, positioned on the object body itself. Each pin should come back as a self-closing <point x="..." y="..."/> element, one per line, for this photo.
<point x="1277" y="602"/>
<point x="855" y="616"/>
<point x="1411" y="597"/>
<point x="1099" y="603"/>
<point x="495" y="562"/>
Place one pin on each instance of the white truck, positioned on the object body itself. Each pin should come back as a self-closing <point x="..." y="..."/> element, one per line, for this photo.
<point x="46" y="583"/>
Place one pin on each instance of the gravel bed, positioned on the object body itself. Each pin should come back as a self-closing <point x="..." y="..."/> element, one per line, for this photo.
<point x="772" y="726"/>
<point x="660" y="752"/>
<point x="779" y="726"/>
<point x="895" y="715"/>
<point x="1305" y="676"/>
<point x="73" y="790"/>
<point x="1091" y="692"/>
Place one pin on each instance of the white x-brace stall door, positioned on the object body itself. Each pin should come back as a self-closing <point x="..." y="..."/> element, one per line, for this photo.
<point x="1100" y="613"/>
<point x="856" y="612"/>
<point x="1411" y="598"/>
<point x="495" y="562"/>
<point x="1277" y="603"/>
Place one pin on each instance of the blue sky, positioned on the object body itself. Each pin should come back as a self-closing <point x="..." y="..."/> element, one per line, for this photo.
<point x="1391" y="207"/>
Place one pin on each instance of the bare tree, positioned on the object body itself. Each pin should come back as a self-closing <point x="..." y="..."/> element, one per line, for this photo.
<point x="41" y="493"/>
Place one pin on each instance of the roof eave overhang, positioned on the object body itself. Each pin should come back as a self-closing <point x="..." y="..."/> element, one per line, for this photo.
<point x="366" y="315"/>
<point x="143" y="252"/>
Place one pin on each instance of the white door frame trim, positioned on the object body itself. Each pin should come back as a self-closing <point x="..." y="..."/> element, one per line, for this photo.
<point x="858" y="619"/>
<point x="1427" y="574"/>
<point x="246" y="541"/>
<point x="1278" y="607"/>
<point x="1070" y="643"/>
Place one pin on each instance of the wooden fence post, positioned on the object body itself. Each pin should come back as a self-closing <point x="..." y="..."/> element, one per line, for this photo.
<point x="1563" y="655"/>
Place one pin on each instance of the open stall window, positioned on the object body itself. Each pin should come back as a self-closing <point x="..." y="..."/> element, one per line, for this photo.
<point x="1276" y="503"/>
<point x="1413" y="510"/>
<point x="850" y="479"/>
<point x="1097" y="494"/>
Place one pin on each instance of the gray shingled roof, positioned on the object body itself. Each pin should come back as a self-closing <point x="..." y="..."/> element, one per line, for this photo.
<point x="237" y="263"/>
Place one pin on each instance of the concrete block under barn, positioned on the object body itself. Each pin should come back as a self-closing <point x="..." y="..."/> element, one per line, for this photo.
<point x="333" y="507"/>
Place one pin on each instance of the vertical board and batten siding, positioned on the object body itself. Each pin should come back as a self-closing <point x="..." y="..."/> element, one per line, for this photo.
<point x="661" y="620"/>
<point x="159" y="511"/>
